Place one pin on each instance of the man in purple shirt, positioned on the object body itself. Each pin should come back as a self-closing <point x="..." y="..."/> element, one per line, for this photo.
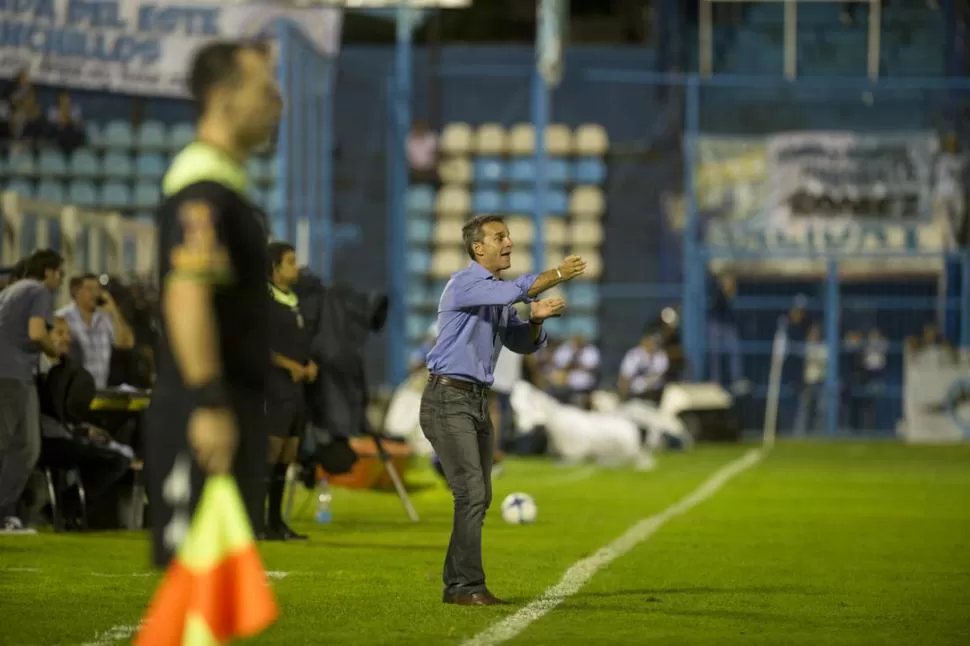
<point x="475" y="319"/>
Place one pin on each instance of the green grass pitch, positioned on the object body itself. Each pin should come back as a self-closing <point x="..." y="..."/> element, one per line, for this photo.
<point x="838" y="543"/>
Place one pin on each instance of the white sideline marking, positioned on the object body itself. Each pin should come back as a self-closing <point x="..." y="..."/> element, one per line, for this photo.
<point x="113" y="635"/>
<point x="577" y="476"/>
<point x="582" y="571"/>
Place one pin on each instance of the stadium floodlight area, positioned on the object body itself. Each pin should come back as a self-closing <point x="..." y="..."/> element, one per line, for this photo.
<point x="705" y="40"/>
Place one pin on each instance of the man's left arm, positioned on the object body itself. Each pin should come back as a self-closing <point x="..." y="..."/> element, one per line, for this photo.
<point x="522" y="337"/>
<point x="123" y="336"/>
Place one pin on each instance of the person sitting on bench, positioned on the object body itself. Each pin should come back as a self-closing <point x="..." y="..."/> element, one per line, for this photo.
<point x="65" y="391"/>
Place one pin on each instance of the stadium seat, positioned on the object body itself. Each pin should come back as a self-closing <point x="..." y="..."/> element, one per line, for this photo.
<point x="554" y="232"/>
<point x="594" y="262"/>
<point x="557" y="171"/>
<point x="583" y="295"/>
<point x="22" y="164"/>
<point x="591" y="140"/>
<point x="589" y="170"/>
<point x="455" y="170"/>
<point x="419" y="200"/>
<point x="418" y="262"/>
<point x="521" y="230"/>
<point x="559" y="140"/>
<point x="84" y="163"/>
<point x="521" y="264"/>
<point x="116" y="194"/>
<point x="556" y="202"/>
<point x="456" y="139"/>
<point x="417" y="292"/>
<point x="584" y="326"/>
<point x="417" y="325"/>
<point x="93" y="132"/>
<point x="150" y="166"/>
<point x="521" y="202"/>
<point x="522" y="171"/>
<point x="21" y="187"/>
<point x="180" y="136"/>
<point x="447" y="261"/>
<point x="419" y="231"/>
<point x="117" y="165"/>
<point x="586" y="202"/>
<point x="152" y="136"/>
<point x="146" y="194"/>
<point x="555" y="327"/>
<point x="453" y="200"/>
<point x="522" y="140"/>
<point x="489" y="171"/>
<point x="51" y="190"/>
<point x="52" y="162"/>
<point x="447" y="232"/>
<point x="82" y="193"/>
<point x="487" y="201"/>
<point x="490" y="139"/>
<point x="586" y="233"/>
<point x="117" y="134"/>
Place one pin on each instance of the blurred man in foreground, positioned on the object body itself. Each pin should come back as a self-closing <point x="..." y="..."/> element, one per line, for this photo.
<point x="214" y="353"/>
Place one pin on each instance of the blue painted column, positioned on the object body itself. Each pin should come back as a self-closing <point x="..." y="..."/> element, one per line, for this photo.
<point x="834" y="345"/>
<point x="693" y="259"/>
<point x="965" y="301"/>
<point x="278" y="216"/>
<point x="323" y="241"/>
<point x="540" y="118"/>
<point x="399" y="99"/>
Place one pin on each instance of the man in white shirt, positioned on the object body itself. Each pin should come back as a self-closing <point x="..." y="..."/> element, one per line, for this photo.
<point x="811" y="403"/>
<point x="422" y="151"/>
<point x="643" y="371"/>
<point x="97" y="327"/>
<point x="576" y="370"/>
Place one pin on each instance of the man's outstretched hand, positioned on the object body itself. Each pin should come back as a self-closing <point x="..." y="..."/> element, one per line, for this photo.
<point x="571" y="267"/>
<point x="547" y="308"/>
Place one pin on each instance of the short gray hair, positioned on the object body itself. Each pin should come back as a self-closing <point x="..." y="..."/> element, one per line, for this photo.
<point x="474" y="231"/>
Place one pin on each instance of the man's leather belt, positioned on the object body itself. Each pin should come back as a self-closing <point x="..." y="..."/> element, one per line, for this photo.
<point x="468" y="386"/>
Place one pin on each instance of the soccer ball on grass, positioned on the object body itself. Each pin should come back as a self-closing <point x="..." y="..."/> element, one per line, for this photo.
<point x="519" y="509"/>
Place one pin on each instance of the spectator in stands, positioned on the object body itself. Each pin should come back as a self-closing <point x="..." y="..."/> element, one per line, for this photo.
<point x="97" y="327"/>
<point x="576" y="365"/>
<point x="65" y="391"/>
<point x="873" y="373"/>
<point x="6" y="125"/>
<point x="26" y="313"/>
<point x="17" y="91"/>
<point x="28" y="126"/>
<point x="811" y="401"/>
<point x="422" y="149"/>
<point x="643" y="371"/>
<point x="722" y="332"/>
<point x="65" y="124"/>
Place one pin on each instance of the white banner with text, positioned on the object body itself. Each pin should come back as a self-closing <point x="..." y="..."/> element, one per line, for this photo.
<point x="137" y="47"/>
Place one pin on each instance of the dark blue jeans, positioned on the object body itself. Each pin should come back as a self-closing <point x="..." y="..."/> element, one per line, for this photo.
<point x="459" y="427"/>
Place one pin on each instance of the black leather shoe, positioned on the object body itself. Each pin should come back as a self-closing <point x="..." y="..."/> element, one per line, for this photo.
<point x="448" y="597"/>
<point x="479" y="599"/>
<point x="289" y="535"/>
<point x="269" y="534"/>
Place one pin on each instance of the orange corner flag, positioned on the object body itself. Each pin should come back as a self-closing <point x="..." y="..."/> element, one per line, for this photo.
<point x="216" y="588"/>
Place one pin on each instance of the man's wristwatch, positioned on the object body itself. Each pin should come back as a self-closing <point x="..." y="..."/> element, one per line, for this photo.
<point x="209" y="395"/>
